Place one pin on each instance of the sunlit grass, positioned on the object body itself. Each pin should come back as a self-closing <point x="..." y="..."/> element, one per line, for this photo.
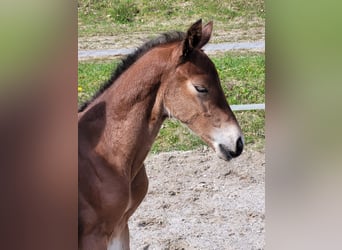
<point x="117" y="16"/>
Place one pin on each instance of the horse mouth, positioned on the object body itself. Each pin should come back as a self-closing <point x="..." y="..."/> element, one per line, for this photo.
<point x="225" y="153"/>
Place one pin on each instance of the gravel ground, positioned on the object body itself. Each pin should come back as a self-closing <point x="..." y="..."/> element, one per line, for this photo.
<point x="197" y="201"/>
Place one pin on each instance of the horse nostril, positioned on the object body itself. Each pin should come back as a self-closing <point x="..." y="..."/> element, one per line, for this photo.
<point x="228" y="153"/>
<point x="239" y="147"/>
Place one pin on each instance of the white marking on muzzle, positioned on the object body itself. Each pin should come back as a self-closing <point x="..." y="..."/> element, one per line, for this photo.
<point x="226" y="137"/>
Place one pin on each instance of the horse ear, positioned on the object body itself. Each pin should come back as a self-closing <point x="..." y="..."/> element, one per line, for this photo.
<point x="193" y="38"/>
<point x="196" y="37"/>
<point x="206" y="34"/>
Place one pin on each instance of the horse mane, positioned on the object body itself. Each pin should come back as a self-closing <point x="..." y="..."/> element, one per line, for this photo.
<point x="129" y="60"/>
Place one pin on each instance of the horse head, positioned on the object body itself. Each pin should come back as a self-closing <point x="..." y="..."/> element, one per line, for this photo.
<point x="193" y="95"/>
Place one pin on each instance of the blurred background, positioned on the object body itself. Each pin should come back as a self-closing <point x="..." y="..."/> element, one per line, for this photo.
<point x="39" y="98"/>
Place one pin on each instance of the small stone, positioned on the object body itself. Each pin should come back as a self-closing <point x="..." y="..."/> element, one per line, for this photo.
<point x="142" y="224"/>
<point x="228" y="173"/>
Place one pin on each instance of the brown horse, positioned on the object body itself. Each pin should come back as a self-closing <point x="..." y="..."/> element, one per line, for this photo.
<point x="167" y="77"/>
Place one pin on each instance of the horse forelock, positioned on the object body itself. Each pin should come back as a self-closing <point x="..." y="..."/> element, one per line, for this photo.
<point x="129" y="60"/>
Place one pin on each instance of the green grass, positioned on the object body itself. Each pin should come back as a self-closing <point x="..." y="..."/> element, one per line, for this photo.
<point x="108" y="17"/>
<point x="91" y="75"/>
<point x="242" y="77"/>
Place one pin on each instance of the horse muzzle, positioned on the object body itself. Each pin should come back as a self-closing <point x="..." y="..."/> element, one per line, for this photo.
<point x="224" y="152"/>
<point x="227" y="142"/>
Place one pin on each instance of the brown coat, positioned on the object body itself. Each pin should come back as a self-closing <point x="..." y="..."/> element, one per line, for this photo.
<point x="167" y="77"/>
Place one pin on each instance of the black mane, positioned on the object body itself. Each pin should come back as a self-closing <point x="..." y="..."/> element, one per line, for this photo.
<point x="131" y="58"/>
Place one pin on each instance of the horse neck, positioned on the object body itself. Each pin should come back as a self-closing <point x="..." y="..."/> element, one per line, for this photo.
<point x="134" y="113"/>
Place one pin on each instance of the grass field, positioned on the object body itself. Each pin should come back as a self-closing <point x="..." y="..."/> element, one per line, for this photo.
<point x="111" y="17"/>
<point x="242" y="77"/>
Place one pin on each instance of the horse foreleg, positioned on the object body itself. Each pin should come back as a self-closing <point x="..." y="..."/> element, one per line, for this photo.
<point x="138" y="191"/>
<point x="93" y="242"/>
<point x="121" y="242"/>
<point x="139" y="188"/>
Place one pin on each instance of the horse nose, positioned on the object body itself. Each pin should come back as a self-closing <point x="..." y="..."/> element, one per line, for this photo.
<point x="239" y="147"/>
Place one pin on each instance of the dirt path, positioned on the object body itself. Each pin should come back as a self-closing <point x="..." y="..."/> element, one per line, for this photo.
<point x="256" y="46"/>
<point x="135" y="39"/>
<point x="197" y="201"/>
<point x="109" y="47"/>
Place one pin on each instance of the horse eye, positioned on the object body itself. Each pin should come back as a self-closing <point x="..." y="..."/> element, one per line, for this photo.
<point x="201" y="89"/>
